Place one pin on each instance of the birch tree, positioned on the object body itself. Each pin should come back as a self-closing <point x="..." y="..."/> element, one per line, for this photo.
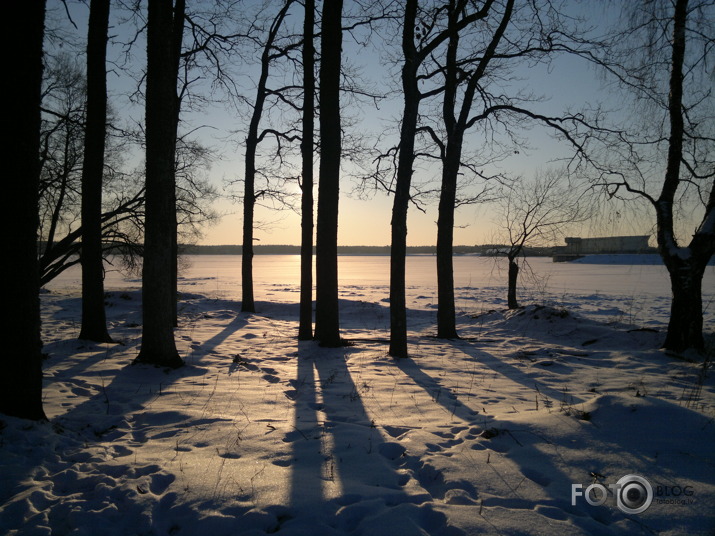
<point x="663" y="58"/>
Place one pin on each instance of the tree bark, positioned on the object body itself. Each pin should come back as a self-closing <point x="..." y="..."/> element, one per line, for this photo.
<point x="446" y="316"/>
<point x="94" y="322"/>
<point x="400" y="204"/>
<point x="513" y="276"/>
<point x="178" y="34"/>
<point x="685" y="328"/>
<point x="158" y="291"/>
<point x="248" y="304"/>
<point x="21" y="378"/>
<point x="327" y="323"/>
<point x="305" y="326"/>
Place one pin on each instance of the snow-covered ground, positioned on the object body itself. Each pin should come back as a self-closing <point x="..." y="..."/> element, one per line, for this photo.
<point x="496" y="433"/>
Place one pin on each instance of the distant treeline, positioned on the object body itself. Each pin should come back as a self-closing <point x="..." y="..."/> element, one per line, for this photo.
<point x="278" y="249"/>
<point x="354" y="250"/>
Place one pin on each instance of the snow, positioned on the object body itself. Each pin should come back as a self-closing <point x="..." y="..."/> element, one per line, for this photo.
<point x="262" y="434"/>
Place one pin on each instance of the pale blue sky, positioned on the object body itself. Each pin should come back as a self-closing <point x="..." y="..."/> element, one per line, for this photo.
<point x="569" y="82"/>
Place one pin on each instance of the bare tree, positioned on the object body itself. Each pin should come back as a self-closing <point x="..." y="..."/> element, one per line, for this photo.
<point x="469" y="72"/>
<point x="94" y="323"/>
<point x="534" y="213"/>
<point x="62" y="138"/>
<point x="419" y="40"/>
<point x="271" y="52"/>
<point x="664" y="59"/>
<point x="327" y="324"/>
<point x="158" y="292"/>
<point x="21" y="380"/>
<point x="122" y="209"/>
<point x="458" y="71"/>
<point x="305" y="325"/>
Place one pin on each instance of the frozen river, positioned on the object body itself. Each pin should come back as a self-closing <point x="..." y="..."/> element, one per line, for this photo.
<point x="632" y="288"/>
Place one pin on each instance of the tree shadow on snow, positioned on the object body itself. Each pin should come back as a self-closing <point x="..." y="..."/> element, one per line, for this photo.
<point x="343" y="471"/>
<point x="515" y="374"/>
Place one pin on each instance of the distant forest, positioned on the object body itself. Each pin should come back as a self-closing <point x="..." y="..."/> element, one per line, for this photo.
<point x="277" y="249"/>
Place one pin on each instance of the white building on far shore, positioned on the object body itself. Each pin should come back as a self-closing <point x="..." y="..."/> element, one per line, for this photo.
<point x="577" y="247"/>
<point x="607" y="244"/>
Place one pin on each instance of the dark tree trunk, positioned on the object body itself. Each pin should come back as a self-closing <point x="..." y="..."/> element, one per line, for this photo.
<point x="685" y="328"/>
<point x="513" y="278"/>
<point x="21" y="378"/>
<point x="446" y="321"/>
<point x="175" y="270"/>
<point x="248" y="304"/>
<point x="94" y="322"/>
<point x="413" y="60"/>
<point x="327" y="324"/>
<point x="400" y="204"/>
<point x="158" y="290"/>
<point x="305" y="327"/>
<point x="178" y="34"/>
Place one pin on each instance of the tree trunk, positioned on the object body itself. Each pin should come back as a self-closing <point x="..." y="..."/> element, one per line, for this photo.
<point x="305" y="327"/>
<point x="685" y="328"/>
<point x="177" y="34"/>
<point x="21" y="378"/>
<point x="248" y="304"/>
<point x="512" y="303"/>
<point x="327" y="324"/>
<point x="406" y="157"/>
<point x="158" y="345"/>
<point x="175" y="269"/>
<point x="446" y="321"/>
<point x="94" y="322"/>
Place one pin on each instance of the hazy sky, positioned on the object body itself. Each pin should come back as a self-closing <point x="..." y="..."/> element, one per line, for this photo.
<point x="567" y="83"/>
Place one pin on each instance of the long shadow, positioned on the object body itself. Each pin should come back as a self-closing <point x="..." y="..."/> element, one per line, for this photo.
<point x="449" y="400"/>
<point x="517" y="443"/>
<point x="441" y="394"/>
<point x="211" y="344"/>
<point x="515" y="374"/>
<point x="101" y="416"/>
<point x="307" y="476"/>
<point x="115" y="400"/>
<point x="523" y="444"/>
<point x="98" y="351"/>
<point x="339" y="457"/>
